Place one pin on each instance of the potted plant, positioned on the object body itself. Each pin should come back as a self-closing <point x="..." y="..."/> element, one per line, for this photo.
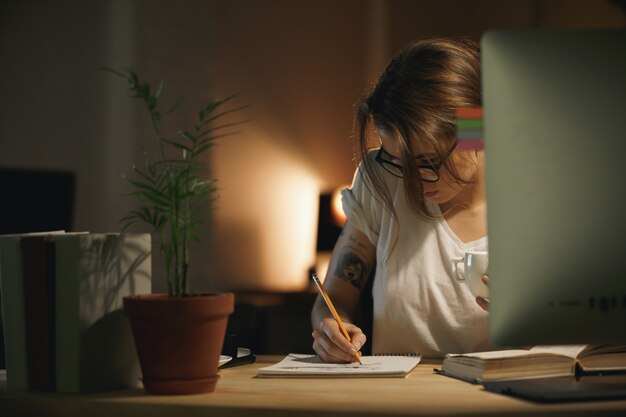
<point x="179" y="335"/>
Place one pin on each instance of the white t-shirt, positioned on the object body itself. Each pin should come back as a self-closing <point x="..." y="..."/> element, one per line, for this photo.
<point x="419" y="307"/>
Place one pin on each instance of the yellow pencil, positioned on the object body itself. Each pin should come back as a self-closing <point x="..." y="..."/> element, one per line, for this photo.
<point x="331" y="307"/>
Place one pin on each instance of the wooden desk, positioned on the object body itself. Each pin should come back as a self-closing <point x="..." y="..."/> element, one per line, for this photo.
<point x="239" y="393"/>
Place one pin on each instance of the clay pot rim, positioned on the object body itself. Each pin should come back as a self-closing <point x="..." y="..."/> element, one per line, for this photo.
<point x="165" y="297"/>
<point x="162" y="305"/>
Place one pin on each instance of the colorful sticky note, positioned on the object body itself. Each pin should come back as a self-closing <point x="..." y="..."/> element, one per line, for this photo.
<point x="469" y="128"/>
<point x="469" y="113"/>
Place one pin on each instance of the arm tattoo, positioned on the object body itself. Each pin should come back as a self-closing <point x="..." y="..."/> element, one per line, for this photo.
<point x="356" y="242"/>
<point x="353" y="269"/>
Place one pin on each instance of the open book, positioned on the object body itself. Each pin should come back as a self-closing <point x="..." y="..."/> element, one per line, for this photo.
<point x="540" y="361"/>
<point x="297" y="365"/>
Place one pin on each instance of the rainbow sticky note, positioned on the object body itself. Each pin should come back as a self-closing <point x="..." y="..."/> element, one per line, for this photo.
<point x="469" y="128"/>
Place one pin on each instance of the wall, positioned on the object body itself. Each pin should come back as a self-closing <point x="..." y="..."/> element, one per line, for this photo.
<point x="300" y="64"/>
<point x="54" y="112"/>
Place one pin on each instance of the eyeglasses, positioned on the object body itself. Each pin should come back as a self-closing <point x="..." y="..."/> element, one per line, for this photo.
<point x="428" y="169"/>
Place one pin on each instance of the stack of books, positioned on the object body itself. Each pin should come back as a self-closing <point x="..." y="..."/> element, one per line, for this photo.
<point x="62" y="297"/>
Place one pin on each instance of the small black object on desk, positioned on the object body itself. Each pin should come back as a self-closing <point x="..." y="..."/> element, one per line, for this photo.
<point x="564" y="389"/>
<point x="240" y="356"/>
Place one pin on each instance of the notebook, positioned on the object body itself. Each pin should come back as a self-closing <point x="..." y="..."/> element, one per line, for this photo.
<point x="297" y="365"/>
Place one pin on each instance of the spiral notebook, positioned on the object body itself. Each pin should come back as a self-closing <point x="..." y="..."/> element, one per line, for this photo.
<point x="297" y="365"/>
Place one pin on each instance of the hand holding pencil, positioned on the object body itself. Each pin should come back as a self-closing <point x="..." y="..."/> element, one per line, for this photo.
<point x="344" y="339"/>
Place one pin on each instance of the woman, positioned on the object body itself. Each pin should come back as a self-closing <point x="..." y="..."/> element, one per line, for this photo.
<point x="416" y="203"/>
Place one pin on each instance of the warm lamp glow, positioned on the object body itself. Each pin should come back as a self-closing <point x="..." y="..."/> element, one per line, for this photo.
<point x="322" y="263"/>
<point x="331" y="220"/>
<point x="291" y="239"/>
<point x="336" y="208"/>
<point x="266" y="215"/>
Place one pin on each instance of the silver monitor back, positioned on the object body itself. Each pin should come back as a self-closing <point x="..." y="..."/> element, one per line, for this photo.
<point x="555" y="148"/>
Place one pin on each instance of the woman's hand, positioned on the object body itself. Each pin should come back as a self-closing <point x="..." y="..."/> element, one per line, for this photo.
<point x="332" y="346"/>
<point x="483" y="302"/>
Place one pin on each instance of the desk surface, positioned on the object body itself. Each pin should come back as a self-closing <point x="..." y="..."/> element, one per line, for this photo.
<point x="240" y="393"/>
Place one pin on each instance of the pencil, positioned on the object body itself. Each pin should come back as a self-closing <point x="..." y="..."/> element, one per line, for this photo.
<point x="331" y="307"/>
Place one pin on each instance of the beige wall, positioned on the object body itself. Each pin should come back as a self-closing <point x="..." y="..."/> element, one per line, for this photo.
<point x="300" y="64"/>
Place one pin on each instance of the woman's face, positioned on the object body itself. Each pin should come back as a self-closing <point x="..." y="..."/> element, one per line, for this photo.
<point x="468" y="164"/>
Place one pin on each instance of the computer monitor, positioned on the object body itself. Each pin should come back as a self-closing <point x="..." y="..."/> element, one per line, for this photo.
<point x="33" y="200"/>
<point x="555" y="148"/>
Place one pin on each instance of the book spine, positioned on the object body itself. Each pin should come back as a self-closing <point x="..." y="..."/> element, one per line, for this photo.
<point x="38" y="264"/>
<point x="67" y="360"/>
<point x="12" y="292"/>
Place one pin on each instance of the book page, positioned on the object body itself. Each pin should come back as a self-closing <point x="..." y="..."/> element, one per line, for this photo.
<point x="570" y="351"/>
<point x="296" y="365"/>
<point x="604" y="358"/>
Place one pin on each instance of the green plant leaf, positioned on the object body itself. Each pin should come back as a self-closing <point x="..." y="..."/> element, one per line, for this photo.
<point x="174" y="107"/>
<point x="215" y="137"/>
<point x="151" y="102"/>
<point x="151" y="195"/>
<point x="186" y="135"/>
<point x="218" y="102"/>
<point x="177" y="145"/>
<point x="223" y="126"/>
<point x="159" y="90"/>
<point x="227" y="112"/>
<point x="202" y="148"/>
<point x="172" y="189"/>
<point x="152" y="178"/>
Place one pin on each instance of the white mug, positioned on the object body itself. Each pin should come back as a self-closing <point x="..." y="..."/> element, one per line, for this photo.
<point x="475" y="265"/>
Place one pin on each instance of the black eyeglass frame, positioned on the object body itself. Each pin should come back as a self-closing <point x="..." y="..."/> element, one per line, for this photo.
<point x="433" y="167"/>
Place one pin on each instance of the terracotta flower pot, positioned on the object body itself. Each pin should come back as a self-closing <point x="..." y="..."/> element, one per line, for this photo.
<point x="179" y="340"/>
